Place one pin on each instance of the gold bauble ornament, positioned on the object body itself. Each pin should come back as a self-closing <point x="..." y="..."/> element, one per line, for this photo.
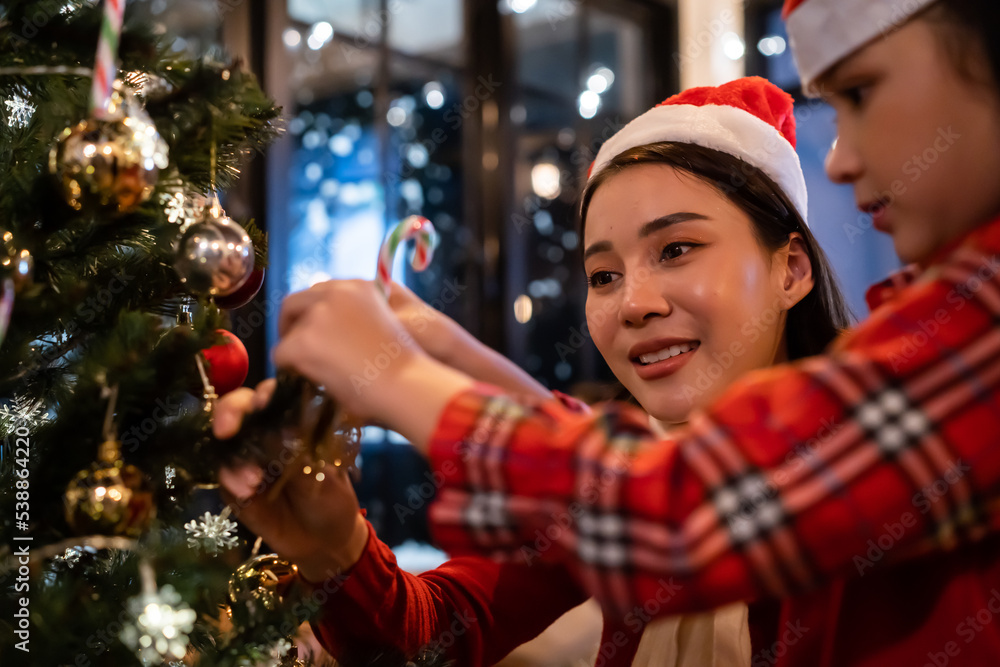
<point x="261" y="580"/>
<point x="214" y="255"/>
<point x="112" y="162"/>
<point x="109" y="498"/>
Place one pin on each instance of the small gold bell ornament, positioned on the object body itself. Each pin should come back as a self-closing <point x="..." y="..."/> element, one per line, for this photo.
<point x="110" y="497"/>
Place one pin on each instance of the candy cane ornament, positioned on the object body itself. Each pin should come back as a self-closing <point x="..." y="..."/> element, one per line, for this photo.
<point x="415" y="227"/>
<point x="105" y="65"/>
<point x="6" y="306"/>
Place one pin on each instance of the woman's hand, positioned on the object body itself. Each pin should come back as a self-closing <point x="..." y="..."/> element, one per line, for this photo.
<point x="342" y="335"/>
<point x="315" y="524"/>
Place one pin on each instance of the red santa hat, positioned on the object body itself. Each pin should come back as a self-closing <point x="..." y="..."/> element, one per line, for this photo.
<point x="823" y="32"/>
<point x="750" y="118"/>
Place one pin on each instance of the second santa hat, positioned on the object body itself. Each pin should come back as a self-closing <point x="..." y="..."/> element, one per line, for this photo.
<point x="823" y="32"/>
<point x="750" y="118"/>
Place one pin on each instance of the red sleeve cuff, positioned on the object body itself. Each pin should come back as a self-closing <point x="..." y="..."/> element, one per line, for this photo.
<point x="454" y="425"/>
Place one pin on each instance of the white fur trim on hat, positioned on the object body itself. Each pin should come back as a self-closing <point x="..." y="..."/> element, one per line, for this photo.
<point x="723" y="128"/>
<point x="823" y="32"/>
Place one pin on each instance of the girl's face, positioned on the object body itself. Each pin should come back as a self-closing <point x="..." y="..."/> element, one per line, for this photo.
<point x="682" y="299"/>
<point x="919" y="143"/>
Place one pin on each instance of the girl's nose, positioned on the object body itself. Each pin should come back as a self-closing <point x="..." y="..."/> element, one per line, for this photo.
<point x="843" y="164"/>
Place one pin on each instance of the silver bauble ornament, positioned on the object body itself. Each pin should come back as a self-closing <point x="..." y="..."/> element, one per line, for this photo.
<point x="214" y="255"/>
<point x="109" y="163"/>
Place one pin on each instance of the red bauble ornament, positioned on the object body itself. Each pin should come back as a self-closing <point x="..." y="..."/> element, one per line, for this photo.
<point x="244" y="294"/>
<point x="228" y="363"/>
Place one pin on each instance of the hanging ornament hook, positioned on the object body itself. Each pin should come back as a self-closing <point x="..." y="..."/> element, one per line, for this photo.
<point x="110" y="451"/>
<point x="209" y="389"/>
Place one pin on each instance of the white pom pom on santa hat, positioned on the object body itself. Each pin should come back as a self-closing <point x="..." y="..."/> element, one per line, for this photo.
<point x="823" y="32"/>
<point x="749" y="118"/>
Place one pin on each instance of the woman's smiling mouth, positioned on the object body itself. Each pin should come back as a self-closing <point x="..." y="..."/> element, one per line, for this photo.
<point x="666" y="353"/>
<point x="660" y="358"/>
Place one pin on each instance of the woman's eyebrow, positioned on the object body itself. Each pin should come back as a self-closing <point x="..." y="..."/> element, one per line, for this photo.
<point x="600" y="246"/>
<point x="650" y="227"/>
<point x="654" y="226"/>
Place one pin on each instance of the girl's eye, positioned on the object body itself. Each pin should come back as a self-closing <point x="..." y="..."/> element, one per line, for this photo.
<point x="675" y="250"/>
<point x="856" y="95"/>
<point x="600" y="278"/>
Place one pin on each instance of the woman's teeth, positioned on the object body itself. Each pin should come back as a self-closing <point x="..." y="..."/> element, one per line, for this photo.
<point x="666" y="353"/>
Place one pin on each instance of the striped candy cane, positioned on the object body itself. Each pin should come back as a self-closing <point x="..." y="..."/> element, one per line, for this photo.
<point x="105" y="65"/>
<point x="414" y="227"/>
<point x="6" y="306"/>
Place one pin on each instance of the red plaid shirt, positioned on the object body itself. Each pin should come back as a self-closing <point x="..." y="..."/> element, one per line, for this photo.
<point x="860" y="486"/>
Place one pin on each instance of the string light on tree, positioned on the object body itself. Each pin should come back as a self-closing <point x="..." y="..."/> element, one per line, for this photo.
<point x="16" y="263"/>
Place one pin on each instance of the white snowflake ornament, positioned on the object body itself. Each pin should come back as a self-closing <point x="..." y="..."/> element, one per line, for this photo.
<point x="160" y="626"/>
<point x="214" y="533"/>
<point x="19" y="109"/>
<point x="23" y="411"/>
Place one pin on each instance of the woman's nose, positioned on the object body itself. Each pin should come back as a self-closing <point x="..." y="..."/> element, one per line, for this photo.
<point x="643" y="299"/>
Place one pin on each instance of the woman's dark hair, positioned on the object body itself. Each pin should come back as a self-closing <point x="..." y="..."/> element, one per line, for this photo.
<point x="815" y="320"/>
<point x="969" y="31"/>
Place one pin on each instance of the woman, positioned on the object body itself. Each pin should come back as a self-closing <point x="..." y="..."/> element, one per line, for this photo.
<point x="693" y="254"/>
<point x="859" y="485"/>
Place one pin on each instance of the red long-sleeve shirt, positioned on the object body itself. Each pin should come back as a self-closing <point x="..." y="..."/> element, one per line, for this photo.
<point x="474" y="609"/>
<point x="860" y="486"/>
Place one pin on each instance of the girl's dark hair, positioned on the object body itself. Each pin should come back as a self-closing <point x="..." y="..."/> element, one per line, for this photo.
<point x="968" y="30"/>
<point x="815" y="320"/>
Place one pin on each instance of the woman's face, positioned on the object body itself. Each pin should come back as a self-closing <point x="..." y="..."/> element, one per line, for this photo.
<point x="919" y="143"/>
<point x="682" y="300"/>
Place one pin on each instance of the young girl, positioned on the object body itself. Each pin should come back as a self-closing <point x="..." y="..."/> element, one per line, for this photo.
<point x="861" y="485"/>
<point x="693" y="252"/>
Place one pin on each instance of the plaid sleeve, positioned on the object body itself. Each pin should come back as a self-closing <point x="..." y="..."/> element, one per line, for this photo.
<point x="788" y="480"/>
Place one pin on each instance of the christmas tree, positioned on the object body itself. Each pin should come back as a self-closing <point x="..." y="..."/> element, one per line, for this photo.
<point x="117" y="264"/>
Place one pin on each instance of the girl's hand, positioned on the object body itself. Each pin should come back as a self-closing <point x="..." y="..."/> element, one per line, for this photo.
<point x="437" y="334"/>
<point x="315" y="524"/>
<point x="446" y="341"/>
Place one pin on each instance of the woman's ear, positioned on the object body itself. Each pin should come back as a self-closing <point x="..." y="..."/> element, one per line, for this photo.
<point x="795" y="270"/>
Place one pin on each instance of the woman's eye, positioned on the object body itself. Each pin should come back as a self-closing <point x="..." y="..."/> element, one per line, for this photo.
<point x="600" y="278"/>
<point x="675" y="250"/>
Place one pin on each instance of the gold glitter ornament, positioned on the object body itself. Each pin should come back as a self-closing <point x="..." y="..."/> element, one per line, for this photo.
<point x="260" y="581"/>
<point x="109" y="163"/>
